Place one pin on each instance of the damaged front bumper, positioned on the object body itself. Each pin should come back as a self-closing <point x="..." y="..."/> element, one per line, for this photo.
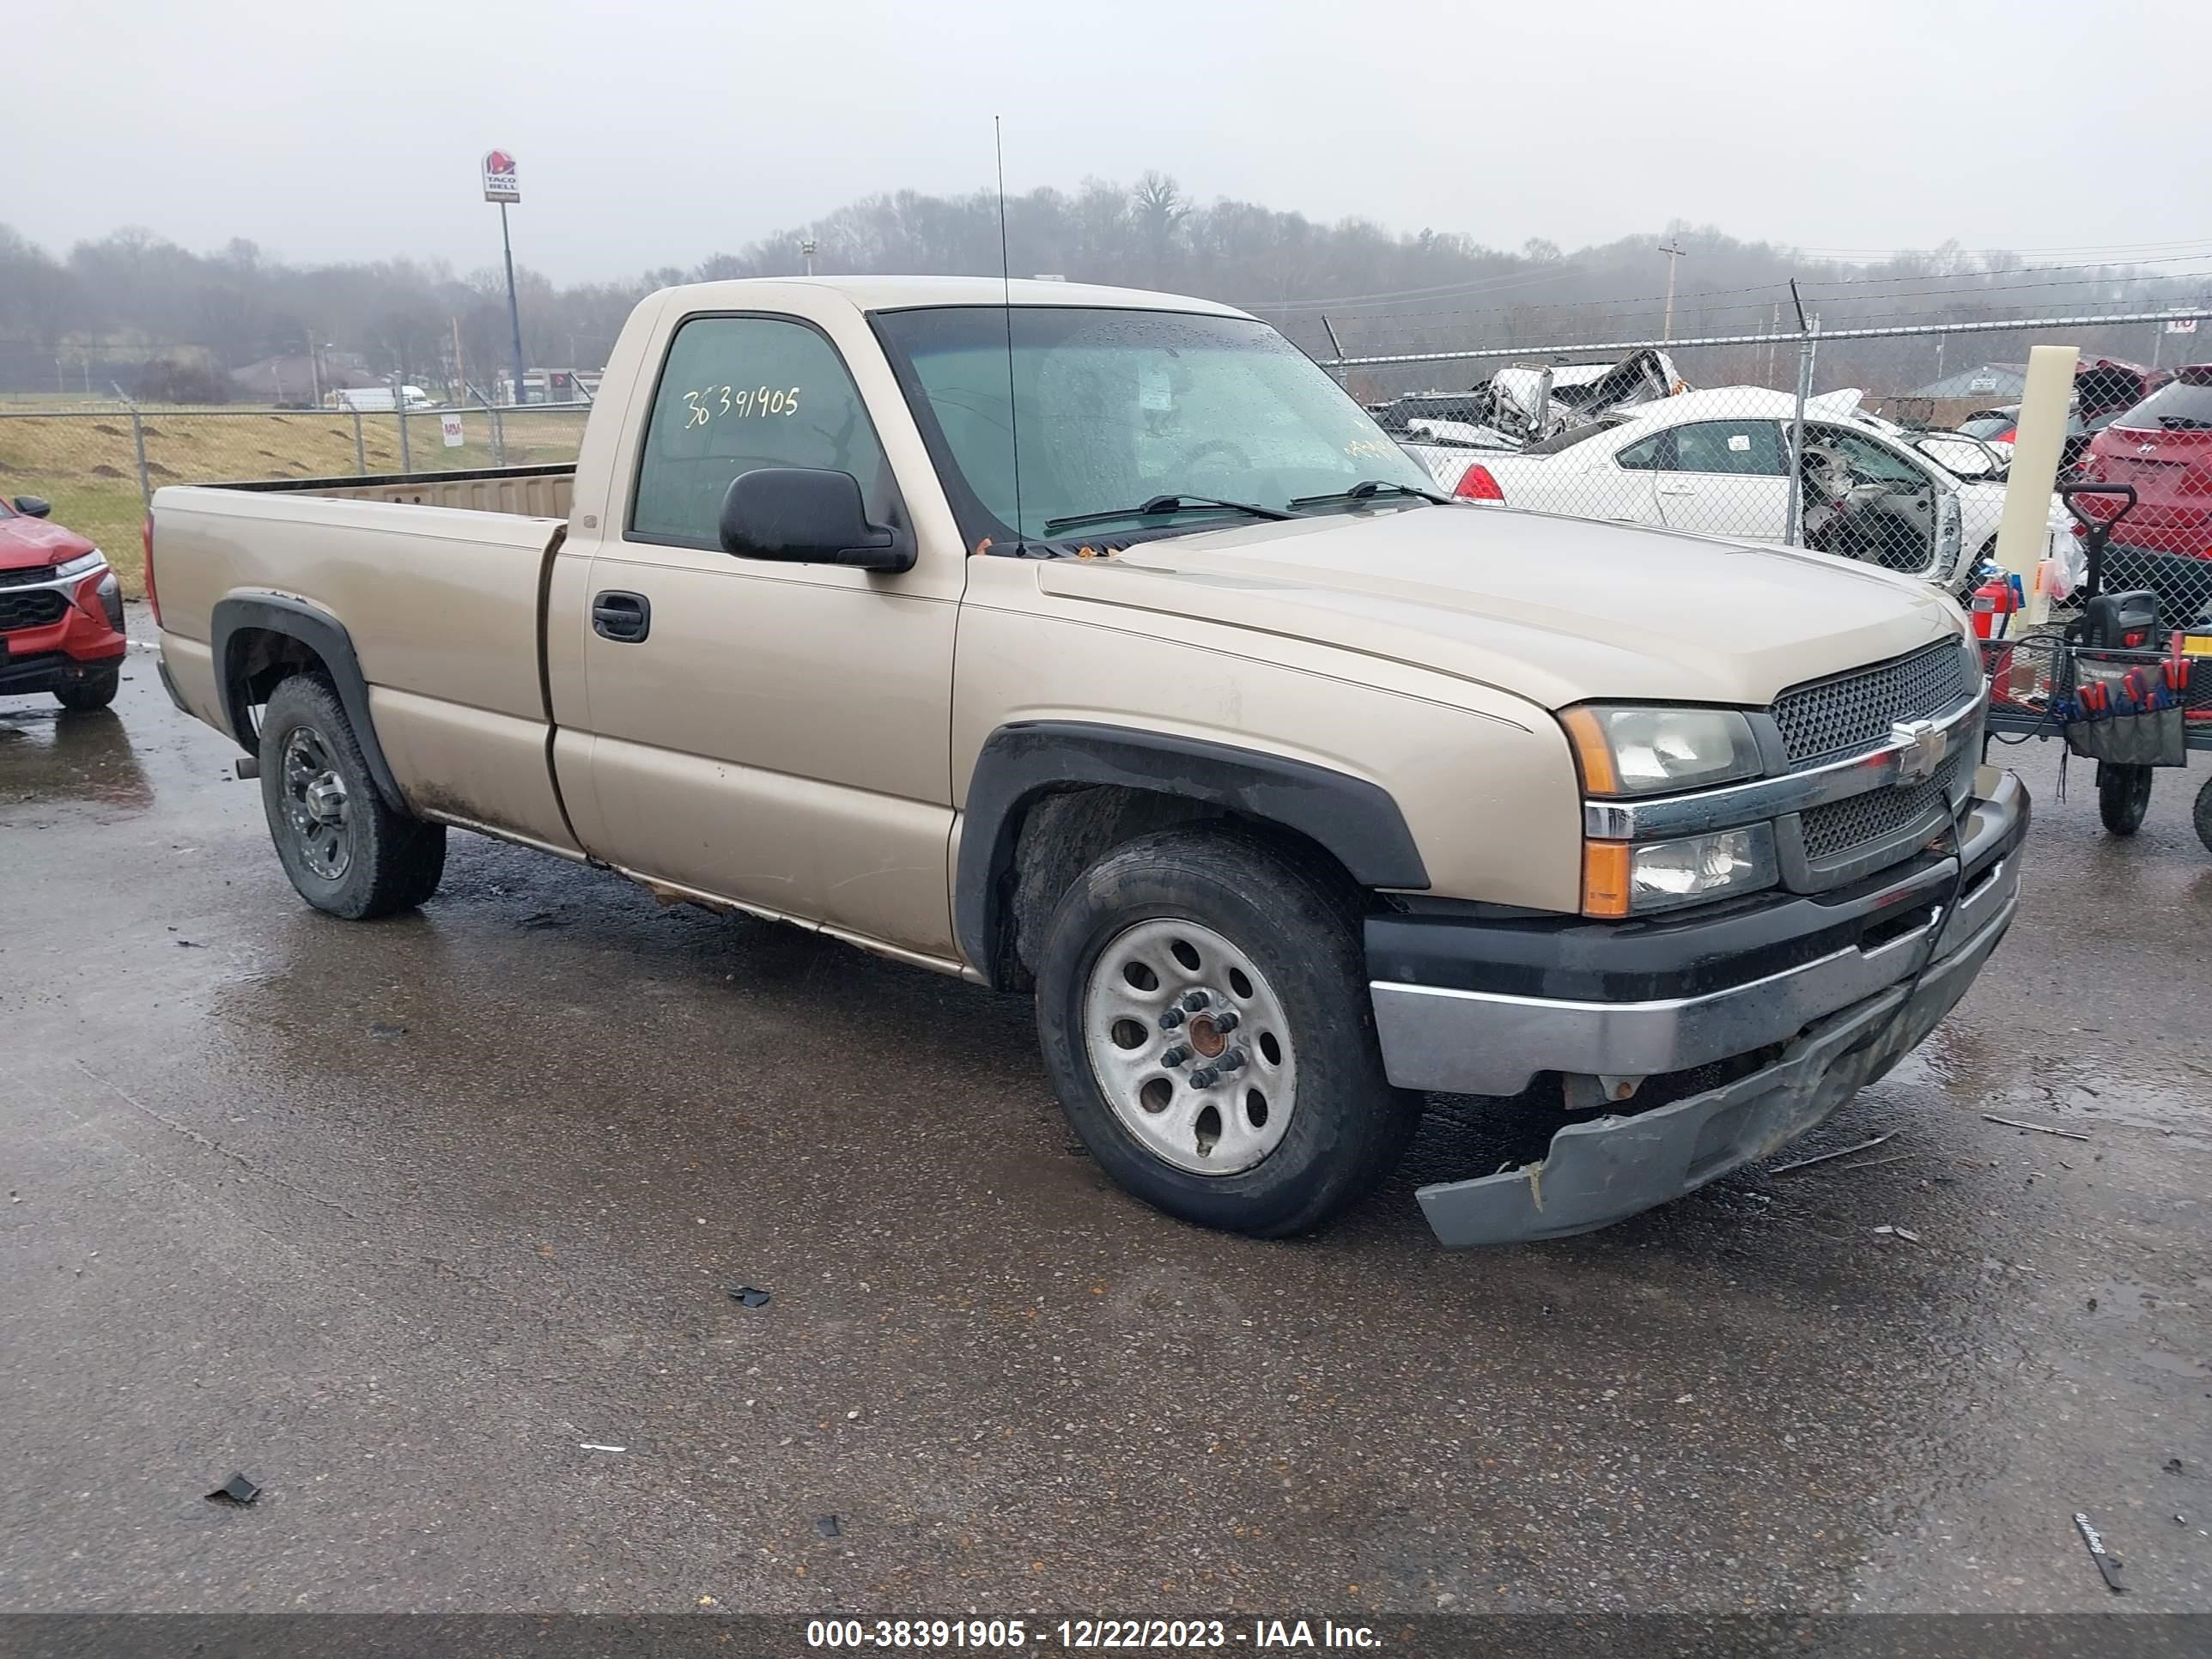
<point x="1617" y="1166"/>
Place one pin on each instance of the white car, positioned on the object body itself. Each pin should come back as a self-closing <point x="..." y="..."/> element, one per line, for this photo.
<point x="1717" y="463"/>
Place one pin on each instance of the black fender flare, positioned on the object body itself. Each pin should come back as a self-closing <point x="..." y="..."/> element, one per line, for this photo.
<point x="325" y="635"/>
<point x="1354" y="819"/>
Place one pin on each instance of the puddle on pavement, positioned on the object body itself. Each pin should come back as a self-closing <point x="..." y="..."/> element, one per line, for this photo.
<point x="1981" y="1072"/>
<point x="49" y="756"/>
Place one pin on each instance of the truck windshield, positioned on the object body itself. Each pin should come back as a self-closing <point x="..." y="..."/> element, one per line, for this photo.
<point x="1116" y="409"/>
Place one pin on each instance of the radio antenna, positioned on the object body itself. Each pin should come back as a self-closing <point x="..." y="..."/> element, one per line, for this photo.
<point x="1006" y="296"/>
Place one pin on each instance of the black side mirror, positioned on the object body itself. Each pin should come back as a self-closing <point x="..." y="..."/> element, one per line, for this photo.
<point x="33" y="506"/>
<point x="808" y="515"/>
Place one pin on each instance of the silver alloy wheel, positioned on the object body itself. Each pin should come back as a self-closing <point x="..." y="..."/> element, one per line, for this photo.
<point x="1190" y="1046"/>
<point x="315" y="805"/>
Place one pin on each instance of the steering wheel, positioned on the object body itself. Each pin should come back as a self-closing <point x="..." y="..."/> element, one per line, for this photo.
<point x="1238" y="458"/>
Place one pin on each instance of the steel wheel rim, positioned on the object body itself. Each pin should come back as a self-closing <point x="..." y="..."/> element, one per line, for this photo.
<point x="316" y="806"/>
<point x="1209" y="1101"/>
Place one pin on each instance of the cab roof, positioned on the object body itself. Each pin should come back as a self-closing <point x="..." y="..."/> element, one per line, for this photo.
<point x="904" y="293"/>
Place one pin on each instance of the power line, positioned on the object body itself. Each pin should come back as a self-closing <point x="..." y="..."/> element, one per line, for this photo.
<point x="1984" y="252"/>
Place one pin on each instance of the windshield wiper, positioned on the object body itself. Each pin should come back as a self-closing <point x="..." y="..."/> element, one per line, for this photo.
<point x="1367" y="489"/>
<point x="1161" y="507"/>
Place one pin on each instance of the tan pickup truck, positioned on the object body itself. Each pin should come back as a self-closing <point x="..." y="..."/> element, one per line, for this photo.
<point x="1096" y="644"/>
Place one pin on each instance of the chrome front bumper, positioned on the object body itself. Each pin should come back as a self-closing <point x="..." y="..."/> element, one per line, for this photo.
<point x="1483" y="1043"/>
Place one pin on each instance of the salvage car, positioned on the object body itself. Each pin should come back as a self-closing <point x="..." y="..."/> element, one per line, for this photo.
<point x="1523" y="403"/>
<point x="1716" y="463"/>
<point x="1095" y="644"/>
<point x="61" y="610"/>
<point x="2162" y="448"/>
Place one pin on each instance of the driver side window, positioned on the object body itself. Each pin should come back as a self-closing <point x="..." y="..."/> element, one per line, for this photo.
<point x="738" y="394"/>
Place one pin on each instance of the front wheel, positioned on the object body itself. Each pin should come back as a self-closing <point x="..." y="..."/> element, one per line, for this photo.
<point x="1203" y="1008"/>
<point x="95" y="690"/>
<point x="2123" y="796"/>
<point x="344" y="847"/>
<point x="2204" y="815"/>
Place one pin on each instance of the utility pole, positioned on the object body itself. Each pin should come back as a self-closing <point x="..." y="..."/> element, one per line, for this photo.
<point x="460" y="371"/>
<point x="1674" y="251"/>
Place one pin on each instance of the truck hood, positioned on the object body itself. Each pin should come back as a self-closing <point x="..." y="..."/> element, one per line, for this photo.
<point x="29" y="544"/>
<point x="1554" y="610"/>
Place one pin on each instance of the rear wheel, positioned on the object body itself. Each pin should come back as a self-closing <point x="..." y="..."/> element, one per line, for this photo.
<point x="2204" y="815"/>
<point x="1203" y="1008"/>
<point x="95" y="690"/>
<point x="2123" y="796"/>
<point x="344" y="847"/>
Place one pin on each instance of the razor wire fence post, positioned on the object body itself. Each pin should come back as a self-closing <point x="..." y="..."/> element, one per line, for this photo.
<point x="498" y="435"/>
<point x="1805" y="350"/>
<point x="138" y="444"/>
<point x="360" y="448"/>
<point x="1793" y="524"/>
<point x="1343" y="374"/>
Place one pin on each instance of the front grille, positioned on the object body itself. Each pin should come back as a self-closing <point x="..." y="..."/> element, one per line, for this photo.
<point x="1864" y="822"/>
<point x="1855" y="711"/>
<point x="31" y="610"/>
<point x="40" y="573"/>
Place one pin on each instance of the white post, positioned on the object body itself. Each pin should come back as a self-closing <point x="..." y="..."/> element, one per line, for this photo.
<point x="2023" y="533"/>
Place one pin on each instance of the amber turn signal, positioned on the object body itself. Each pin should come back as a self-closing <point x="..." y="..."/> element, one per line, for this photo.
<point x="1605" y="877"/>
<point x="1594" y="753"/>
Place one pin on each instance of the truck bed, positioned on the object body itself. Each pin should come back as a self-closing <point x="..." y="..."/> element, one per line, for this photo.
<point x="437" y="580"/>
<point x="531" y="492"/>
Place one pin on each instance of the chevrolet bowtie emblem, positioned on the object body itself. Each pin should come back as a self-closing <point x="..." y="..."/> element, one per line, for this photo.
<point x="1922" y="746"/>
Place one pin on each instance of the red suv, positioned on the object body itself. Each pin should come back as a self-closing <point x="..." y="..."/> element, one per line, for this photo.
<point x="61" y="611"/>
<point x="2163" y="447"/>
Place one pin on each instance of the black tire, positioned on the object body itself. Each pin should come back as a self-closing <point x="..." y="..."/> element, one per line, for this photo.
<point x="95" y="690"/>
<point x="2204" y="815"/>
<point x="1296" y="920"/>
<point x="389" y="861"/>
<point x="2123" y="796"/>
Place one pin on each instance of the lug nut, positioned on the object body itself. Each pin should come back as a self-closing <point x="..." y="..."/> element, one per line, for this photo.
<point x="1171" y="1018"/>
<point x="1195" y="1000"/>
<point x="1232" y="1061"/>
<point x="1205" y="1077"/>
<point x="1227" y="1021"/>
<point x="1174" y="1056"/>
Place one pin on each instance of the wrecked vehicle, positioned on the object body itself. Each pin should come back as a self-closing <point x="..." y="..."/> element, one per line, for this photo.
<point x="1095" y="644"/>
<point x="1717" y="463"/>
<point x="1523" y="405"/>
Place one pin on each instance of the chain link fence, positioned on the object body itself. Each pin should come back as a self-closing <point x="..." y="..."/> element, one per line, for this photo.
<point x="98" y="464"/>
<point x="1828" y="440"/>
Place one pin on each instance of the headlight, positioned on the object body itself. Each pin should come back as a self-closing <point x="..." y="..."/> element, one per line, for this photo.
<point x="1646" y="751"/>
<point x="1624" y="878"/>
<point x="83" y="565"/>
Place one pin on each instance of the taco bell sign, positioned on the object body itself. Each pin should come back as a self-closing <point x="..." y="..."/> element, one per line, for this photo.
<point x="499" y="177"/>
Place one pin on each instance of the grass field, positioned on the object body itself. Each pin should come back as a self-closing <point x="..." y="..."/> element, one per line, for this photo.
<point x="86" y="464"/>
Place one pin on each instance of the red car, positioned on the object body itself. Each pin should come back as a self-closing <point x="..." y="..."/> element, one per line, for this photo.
<point x="2163" y="447"/>
<point x="61" y="611"/>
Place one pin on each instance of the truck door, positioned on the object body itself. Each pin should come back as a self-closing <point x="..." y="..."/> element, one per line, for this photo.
<point x="775" y="734"/>
<point x="1727" y="478"/>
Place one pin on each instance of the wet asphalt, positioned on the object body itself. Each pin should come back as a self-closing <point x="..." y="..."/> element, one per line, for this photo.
<point x="400" y="1219"/>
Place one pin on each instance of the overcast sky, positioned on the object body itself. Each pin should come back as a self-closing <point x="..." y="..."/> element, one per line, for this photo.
<point x="657" y="132"/>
